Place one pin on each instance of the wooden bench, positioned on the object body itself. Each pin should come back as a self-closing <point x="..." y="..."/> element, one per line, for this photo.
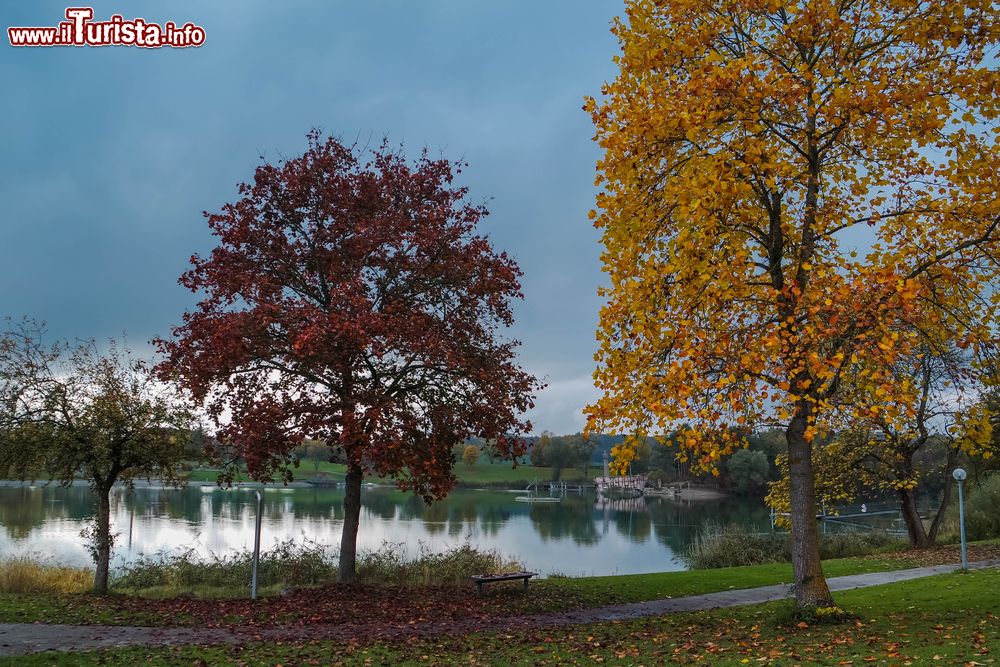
<point x="480" y="579"/>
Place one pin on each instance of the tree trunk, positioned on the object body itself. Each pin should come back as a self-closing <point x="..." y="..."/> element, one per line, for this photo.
<point x="945" y="497"/>
<point x="908" y="501"/>
<point x="352" y="518"/>
<point x="102" y="539"/>
<point x="911" y="517"/>
<point x="811" y="590"/>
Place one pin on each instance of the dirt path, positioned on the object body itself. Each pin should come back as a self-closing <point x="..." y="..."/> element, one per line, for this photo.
<point x="23" y="638"/>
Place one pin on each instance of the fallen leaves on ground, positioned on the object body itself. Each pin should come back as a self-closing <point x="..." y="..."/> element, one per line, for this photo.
<point x="942" y="555"/>
<point x="336" y="605"/>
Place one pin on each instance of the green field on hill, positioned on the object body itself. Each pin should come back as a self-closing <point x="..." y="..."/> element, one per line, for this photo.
<point x="485" y="473"/>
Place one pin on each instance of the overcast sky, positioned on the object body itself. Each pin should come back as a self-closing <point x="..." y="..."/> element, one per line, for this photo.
<point x="110" y="154"/>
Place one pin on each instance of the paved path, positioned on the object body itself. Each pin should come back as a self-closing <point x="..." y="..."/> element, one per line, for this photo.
<point x="23" y="638"/>
<point x="736" y="598"/>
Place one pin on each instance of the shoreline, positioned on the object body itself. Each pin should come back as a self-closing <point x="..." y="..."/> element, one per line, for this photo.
<point x="690" y="493"/>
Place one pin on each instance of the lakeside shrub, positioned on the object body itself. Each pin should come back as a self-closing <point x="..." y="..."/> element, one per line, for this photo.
<point x="291" y="565"/>
<point x="850" y="545"/>
<point x="736" y="545"/>
<point x="982" y="520"/>
<point x="388" y="565"/>
<point x="733" y="545"/>
<point x="287" y="563"/>
<point x="25" y="575"/>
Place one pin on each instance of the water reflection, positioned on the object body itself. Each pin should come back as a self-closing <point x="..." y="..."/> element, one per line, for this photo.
<point x="570" y="519"/>
<point x="578" y="535"/>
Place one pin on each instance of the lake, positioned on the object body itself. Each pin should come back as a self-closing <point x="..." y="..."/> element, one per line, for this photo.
<point x="579" y="535"/>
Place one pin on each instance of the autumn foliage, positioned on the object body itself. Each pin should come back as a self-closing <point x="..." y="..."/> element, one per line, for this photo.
<point x="791" y="191"/>
<point x="351" y="301"/>
<point x="949" y="424"/>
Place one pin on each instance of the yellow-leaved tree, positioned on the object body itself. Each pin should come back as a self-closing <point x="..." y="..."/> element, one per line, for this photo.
<point x="787" y="190"/>
<point x="948" y="423"/>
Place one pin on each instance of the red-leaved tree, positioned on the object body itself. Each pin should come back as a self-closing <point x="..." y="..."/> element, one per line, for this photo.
<point x="350" y="300"/>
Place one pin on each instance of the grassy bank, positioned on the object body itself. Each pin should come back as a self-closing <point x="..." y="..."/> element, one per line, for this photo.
<point x="161" y="594"/>
<point x="949" y="619"/>
<point x="24" y="575"/>
<point x="286" y="565"/>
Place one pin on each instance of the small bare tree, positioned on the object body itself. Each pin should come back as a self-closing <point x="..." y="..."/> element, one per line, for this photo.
<point x="69" y="411"/>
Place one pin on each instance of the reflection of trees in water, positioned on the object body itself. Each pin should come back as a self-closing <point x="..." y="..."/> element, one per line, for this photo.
<point x="319" y="504"/>
<point x="578" y="518"/>
<point x="675" y="523"/>
<point x="571" y="518"/>
<point x="492" y="519"/>
<point x="458" y="512"/>
<point x="23" y="509"/>
<point x="137" y="502"/>
<point x="412" y="508"/>
<point x="457" y="517"/>
<point x="463" y="514"/>
<point x="379" y="505"/>
<point x="194" y="504"/>
<point x="470" y="512"/>
<point x="187" y="503"/>
<point x="240" y="503"/>
<point x="629" y="515"/>
<point x="636" y="526"/>
<point x="76" y="502"/>
<point x="678" y="521"/>
<point x="435" y="518"/>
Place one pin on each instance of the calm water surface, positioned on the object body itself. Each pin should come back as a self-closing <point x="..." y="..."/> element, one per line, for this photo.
<point x="580" y="535"/>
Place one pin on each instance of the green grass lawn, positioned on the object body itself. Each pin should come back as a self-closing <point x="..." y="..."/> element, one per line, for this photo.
<point x="546" y="595"/>
<point x="945" y="620"/>
<point x="495" y="473"/>
<point x="596" y="591"/>
<point x="483" y="473"/>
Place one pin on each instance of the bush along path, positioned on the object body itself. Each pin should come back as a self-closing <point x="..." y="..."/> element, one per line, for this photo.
<point x="24" y="638"/>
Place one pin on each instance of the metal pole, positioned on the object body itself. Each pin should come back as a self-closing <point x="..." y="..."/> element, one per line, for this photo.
<point x="959" y="476"/>
<point x="256" y="547"/>
<point x="131" y="516"/>
<point x="961" y="521"/>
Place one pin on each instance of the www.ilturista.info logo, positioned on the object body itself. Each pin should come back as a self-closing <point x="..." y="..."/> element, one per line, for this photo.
<point x="80" y="30"/>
